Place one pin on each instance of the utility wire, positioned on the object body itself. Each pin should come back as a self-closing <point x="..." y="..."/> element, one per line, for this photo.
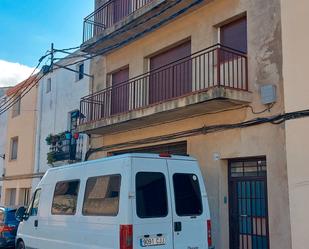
<point x="20" y="94"/>
<point x="276" y="120"/>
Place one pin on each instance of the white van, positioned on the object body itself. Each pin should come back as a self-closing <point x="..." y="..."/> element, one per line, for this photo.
<point x="122" y="202"/>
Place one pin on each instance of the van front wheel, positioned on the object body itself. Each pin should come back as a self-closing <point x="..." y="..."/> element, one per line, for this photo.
<point x="21" y="245"/>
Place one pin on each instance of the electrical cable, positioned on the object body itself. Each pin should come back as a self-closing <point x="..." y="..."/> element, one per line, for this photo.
<point x="116" y="33"/>
<point x="13" y="97"/>
<point x="276" y="120"/>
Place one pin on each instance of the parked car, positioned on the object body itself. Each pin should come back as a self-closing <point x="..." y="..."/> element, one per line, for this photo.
<point x="8" y="227"/>
<point x="128" y="201"/>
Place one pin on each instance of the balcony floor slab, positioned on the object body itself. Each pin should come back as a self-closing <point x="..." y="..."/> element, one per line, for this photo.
<point x="213" y="100"/>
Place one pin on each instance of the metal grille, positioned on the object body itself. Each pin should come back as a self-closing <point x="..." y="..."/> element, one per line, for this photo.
<point x="248" y="204"/>
<point x="179" y="148"/>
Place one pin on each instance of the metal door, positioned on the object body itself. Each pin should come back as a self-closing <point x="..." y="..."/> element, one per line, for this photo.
<point x="248" y="204"/>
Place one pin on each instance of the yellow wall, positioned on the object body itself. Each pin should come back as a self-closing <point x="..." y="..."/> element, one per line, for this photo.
<point x="295" y="19"/>
<point x="265" y="67"/>
<point x="23" y="127"/>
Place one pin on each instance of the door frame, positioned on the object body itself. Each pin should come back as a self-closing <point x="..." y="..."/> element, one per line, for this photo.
<point x="244" y="178"/>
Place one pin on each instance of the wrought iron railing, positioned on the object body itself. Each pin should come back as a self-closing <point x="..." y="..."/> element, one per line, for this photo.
<point x="216" y="66"/>
<point x="108" y="14"/>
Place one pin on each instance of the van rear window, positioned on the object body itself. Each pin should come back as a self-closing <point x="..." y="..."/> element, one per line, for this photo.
<point x="102" y="196"/>
<point x="65" y="198"/>
<point x="151" y="195"/>
<point x="187" y="195"/>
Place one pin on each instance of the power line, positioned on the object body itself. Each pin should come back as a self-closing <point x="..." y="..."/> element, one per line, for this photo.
<point x="276" y="120"/>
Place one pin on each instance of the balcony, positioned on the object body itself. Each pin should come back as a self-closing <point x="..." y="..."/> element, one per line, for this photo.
<point x="210" y="80"/>
<point x="118" y="22"/>
<point x="64" y="147"/>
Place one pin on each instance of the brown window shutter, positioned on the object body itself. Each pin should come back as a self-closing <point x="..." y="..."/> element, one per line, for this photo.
<point x="120" y="92"/>
<point x="234" y="35"/>
<point x="171" y="79"/>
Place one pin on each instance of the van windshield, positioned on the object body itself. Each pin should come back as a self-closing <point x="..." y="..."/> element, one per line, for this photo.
<point x="187" y="195"/>
<point x="151" y="195"/>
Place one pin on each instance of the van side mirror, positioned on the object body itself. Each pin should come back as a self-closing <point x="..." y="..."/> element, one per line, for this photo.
<point x="20" y="214"/>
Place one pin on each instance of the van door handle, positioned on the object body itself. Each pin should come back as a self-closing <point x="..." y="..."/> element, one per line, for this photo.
<point x="177" y="226"/>
<point x="36" y="223"/>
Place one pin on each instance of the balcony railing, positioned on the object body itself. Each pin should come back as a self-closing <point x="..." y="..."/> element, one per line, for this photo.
<point x="65" y="149"/>
<point x="108" y="14"/>
<point x="216" y="66"/>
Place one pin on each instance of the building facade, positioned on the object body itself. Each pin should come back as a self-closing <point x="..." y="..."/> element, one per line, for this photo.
<point x="199" y="78"/>
<point x="59" y="93"/>
<point x="296" y="88"/>
<point x="3" y="127"/>
<point x="20" y="144"/>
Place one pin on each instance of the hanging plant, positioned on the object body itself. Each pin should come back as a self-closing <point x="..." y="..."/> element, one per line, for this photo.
<point x="51" y="157"/>
<point x="68" y="135"/>
<point x="48" y="139"/>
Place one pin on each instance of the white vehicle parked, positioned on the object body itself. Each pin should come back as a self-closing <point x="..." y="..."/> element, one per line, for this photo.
<point x="122" y="202"/>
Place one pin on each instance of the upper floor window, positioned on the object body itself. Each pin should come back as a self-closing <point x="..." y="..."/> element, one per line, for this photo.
<point x="16" y="107"/>
<point x="234" y="34"/>
<point x="14" y="148"/>
<point x="48" y="85"/>
<point x="81" y="71"/>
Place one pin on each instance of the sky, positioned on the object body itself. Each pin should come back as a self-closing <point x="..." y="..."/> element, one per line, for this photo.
<point x="28" y="27"/>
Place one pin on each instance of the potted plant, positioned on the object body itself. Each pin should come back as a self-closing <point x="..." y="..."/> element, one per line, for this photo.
<point x="48" y="139"/>
<point x="68" y="135"/>
<point x="51" y="157"/>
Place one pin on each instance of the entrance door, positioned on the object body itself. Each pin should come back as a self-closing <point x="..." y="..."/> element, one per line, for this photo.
<point x="248" y="204"/>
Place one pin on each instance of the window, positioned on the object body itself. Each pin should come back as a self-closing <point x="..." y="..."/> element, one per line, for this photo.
<point x="65" y="198"/>
<point x="81" y="69"/>
<point x="102" y="196"/>
<point x="11" y="197"/>
<point x="234" y="35"/>
<point x="14" y="148"/>
<point x="151" y="195"/>
<point x="33" y="209"/>
<point x="187" y="195"/>
<point x="48" y="85"/>
<point x="24" y="194"/>
<point x="16" y="107"/>
<point x="73" y="116"/>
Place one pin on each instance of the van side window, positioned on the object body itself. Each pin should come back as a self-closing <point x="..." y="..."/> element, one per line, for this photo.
<point x="102" y="196"/>
<point x="34" y="204"/>
<point x="65" y="198"/>
<point x="187" y="195"/>
<point x="151" y="195"/>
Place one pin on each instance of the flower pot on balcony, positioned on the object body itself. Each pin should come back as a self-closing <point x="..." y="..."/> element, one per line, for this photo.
<point x="68" y="135"/>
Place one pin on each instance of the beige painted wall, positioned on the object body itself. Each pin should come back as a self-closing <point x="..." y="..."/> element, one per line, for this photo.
<point x="295" y="19"/>
<point x="23" y="127"/>
<point x="265" y="67"/>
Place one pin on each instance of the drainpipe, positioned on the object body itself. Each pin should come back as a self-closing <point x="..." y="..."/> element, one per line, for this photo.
<point x="38" y="132"/>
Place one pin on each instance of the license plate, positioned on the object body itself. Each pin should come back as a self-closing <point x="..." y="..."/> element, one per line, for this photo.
<point x="153" y="241"/>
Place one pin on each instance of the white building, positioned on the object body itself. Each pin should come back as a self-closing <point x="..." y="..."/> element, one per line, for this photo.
<point x="59" y="97"/>
<point x="3" y="132"/>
